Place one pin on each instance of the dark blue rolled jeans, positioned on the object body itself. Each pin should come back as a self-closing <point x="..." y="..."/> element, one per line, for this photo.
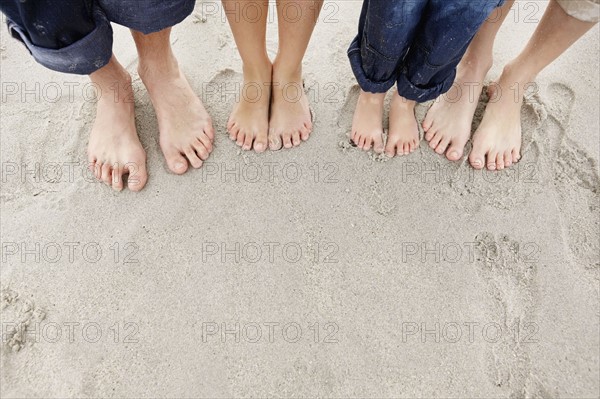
<point x="415" y="44"/>
<point x="75" y="36"/>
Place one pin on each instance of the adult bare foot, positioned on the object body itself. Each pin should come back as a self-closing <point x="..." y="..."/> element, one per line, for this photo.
<point x="248" y="124"/>
<point x="367" y="125"/>
<point x="449" y="121"/>
<point x="497" y="141"/>
<point x="403" y="135"/>
<point x="291" y="120"/>
<point x="186" y="130"/>
<point x="114" y="149"/>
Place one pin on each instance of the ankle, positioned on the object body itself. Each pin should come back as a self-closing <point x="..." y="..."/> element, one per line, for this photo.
<point x="404" y="103"/>
<point x="287" y="72"/>
<point x="518" y="72"/>
<point x="259" y="69"/>
<point x="149" y="66"/>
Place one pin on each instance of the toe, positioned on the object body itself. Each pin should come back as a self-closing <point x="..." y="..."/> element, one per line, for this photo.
<point x="206" y="142"/>
<point x="477" y="156"/>
<point x="442" y="146"/>
<point x="296" y="138"/>
<point x="241" y="137"/>
<point x="500" y="161"/>
<point x="191" y="155"/>
<point x="117" y="178"/>
<point x="248" y="142"/>
<point x="428" y="122"/>
<point x="97" y="170"/>
<point x="390" y="148"/>
<point x="275" y="141"/>
<point x="368" y="144"/>
<point x="491" y="160"/>
<point x="176" y="162"/>
<point x="261" y="142"/>
<point x="107" y="174"/>
<point x="435" y="141"/>
<point x="233" y="132"/>
<point x="361" y="142"/>
<point x="305" y="133"/>
<point x="137" y="175"/>
<point x="429" y="134"/>
<point x="209" y="130"/>
<point x="508" y="159"/>
<point x="201" y="150"/>
<point x="287" y="140"/>
<point x="516" y="156"/>
<point x="455" y="152"/>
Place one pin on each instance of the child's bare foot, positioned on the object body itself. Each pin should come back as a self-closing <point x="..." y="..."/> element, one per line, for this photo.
<point x="186" y="129"/>
<point x="291" y="120"/>
<point x="449" y="120"/>
<point x="497" y="141"/>
<point x="367" y="125"/>
<point x="114" y="148"/>
<point x="248" y="124"/>
<point x="403" y="135"/>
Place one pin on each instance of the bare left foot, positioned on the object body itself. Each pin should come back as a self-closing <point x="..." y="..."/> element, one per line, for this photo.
<point x="448" y="122"/>
<point x="186" y="130"/>
<point x="403" y="135"/>
<point x="497" y="141"/>
<point x="291" y="122"/>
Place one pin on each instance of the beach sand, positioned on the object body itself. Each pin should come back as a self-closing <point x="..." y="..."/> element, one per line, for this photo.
<point x="318" y="271"/>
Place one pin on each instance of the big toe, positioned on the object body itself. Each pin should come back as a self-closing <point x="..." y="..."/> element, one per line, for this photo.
<point x="477" y="157"/>
<point x="138" y="176"/>
<point x="176" y="162"/>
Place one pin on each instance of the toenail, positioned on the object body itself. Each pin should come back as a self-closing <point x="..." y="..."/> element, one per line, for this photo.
<point x="179" y="166"/>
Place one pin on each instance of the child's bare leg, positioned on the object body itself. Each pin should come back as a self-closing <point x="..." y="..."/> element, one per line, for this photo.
<point x="114" y="148"/>
<point x="186" y="131"/>
<point x="497" y="142"/>
<point x="367" y="125"/>
<point x="248" y="124"/>
<point x="448" y="122"/>
<point x="291" y="121"/>
<point x="403" y="135"/>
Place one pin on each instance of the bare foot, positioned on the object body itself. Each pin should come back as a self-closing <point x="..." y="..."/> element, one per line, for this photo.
<point x="497" y="141"/>
<point x="403" y="136"/>
<point x="367" y="125"/>
<point x="449" y="121"/>
<point x="248" y="124"/>
<point x="291" y="120"/>
<point x="186" y="130"/>
<point x="114" y="148"/>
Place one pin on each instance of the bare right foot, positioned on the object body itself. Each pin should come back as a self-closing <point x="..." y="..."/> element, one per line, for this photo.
<point x="448" y="122"/>
<point x="403" y="135"/>
<point x="367" y="125"/>
<point x="497" y="141"/>
<point x="114" y="149"/>
<point x="248" y="124"/>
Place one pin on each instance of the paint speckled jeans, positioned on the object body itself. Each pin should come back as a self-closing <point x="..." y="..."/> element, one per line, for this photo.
<point x="75" y="36"/>
<point x="415" y="44"/>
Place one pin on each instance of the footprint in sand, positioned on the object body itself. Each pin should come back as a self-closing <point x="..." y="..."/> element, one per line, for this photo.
<point x="18" y="316"/>
<point x="575" y="181"/>
<point x="508" y="269"/>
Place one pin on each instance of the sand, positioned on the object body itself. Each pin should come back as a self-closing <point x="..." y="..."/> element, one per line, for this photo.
<point x="319" y="271"/>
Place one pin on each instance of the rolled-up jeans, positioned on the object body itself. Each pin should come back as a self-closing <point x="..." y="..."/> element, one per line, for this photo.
<point x="415" y="44"/>
<point x="75" y="36"/>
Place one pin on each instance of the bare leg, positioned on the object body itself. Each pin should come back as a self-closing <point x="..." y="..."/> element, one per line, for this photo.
<point x="114" y="148"/>
<point x="186" y="131"/>
<point x="291" y="121"/>
<point x="497" y="142"/>
<point x="248" y="124"/>
<point x="448" y="122"/>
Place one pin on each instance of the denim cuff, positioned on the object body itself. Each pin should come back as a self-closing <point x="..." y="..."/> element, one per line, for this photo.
<point x="413" y="92"/>
<point x="365" y="83"/>
<point x="148" y="16"/>
<point x="82" y="57"/>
